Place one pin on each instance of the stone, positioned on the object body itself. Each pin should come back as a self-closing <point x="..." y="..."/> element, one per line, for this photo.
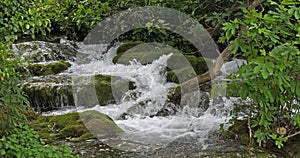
<point x="38" y="69"/>
<point x="57" y="92"/>
<point x="76" y="126"/>
<point x="40" y="51"/>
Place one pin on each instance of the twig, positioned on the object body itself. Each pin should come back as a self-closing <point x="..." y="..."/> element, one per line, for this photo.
<point x="289" y="136"/>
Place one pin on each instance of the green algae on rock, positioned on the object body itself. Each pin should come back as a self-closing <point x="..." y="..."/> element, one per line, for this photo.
<point x="75" y="126"/>
<point x="38" y="69"/>
<point x="55" y="92"/>
<point x="185" y="67"/>
<point x="128" y="45"/>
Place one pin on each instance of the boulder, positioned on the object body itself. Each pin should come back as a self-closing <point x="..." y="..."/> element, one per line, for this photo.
<point x="38" y="69"/>
<point x="40" y="51"/>
<point x="180" y="67"/>
<point x="128" y="45"/>
<point x="144" y="53"/>
<point x="75" y="126"/>
<point x="185" y="67"/>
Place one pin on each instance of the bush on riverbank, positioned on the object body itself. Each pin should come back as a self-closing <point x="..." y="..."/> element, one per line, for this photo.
<point x="270" y="43"/>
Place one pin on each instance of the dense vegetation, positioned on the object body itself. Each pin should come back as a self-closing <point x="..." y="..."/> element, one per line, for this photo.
<point x="270" y="43"/>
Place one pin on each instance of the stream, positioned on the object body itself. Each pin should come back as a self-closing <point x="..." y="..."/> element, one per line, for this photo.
<point x="185" y="130"/>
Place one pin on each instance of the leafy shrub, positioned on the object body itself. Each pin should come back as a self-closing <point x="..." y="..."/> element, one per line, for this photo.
<point x="23" y="17"/>
<point x="76" y="18"/>
<point x="23" y="142"/>
<point x="11" y="96"/>
<point x="271" y="78"/>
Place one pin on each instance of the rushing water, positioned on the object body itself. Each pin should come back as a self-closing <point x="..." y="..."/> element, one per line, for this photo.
<point x="135" y="111"/>
<point x="183" y="130"/>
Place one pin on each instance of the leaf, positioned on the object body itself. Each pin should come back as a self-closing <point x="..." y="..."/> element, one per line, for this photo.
<point x="27" y="26"/>
<point x="256" y="69"/>
<point x="265" y="73"/>
<point x="297" y="14"/>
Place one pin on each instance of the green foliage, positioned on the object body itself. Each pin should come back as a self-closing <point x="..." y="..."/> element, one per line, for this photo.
<point x="270" y="43"/>
<point x="76" y="18"/>
<point x="210" y="13"/>
<point x="23" y="17"/>
<point x="24" y="142"/>
<point x="11" y="97"/>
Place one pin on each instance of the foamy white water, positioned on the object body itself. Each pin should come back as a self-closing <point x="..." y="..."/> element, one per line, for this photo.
<point x="143" y="130"/>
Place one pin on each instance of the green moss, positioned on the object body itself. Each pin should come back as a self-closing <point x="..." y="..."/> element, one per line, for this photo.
<point x="174" y="94"/>
<point x="48" y="69"/>
<point x="100" y="77"/>
<point x="102" y="84"/>
<point x="181" y="75"/>
<point x="126" y="46"/>
<point x="143" y="53"/>
<point x="76" y="126"/>
<point x="142" y="57"/>
<point x="75" y="130"/>
<point x="83" y="137"/>
<point x="199" y="64"/>
<point x="182" y="68"/>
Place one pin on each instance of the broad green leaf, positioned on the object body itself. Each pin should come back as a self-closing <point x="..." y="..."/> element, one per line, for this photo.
<point x="257" y="69"/>
<point x="265" y="73"/>
<point x="297" y="14"/>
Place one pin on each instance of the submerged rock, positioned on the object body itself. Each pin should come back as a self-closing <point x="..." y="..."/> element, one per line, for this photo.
<point x="75" y="126"/>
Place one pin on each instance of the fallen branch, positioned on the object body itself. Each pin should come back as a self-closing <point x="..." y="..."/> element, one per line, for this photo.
<point x="215" y="70"/>
<point x="292" y="135"/>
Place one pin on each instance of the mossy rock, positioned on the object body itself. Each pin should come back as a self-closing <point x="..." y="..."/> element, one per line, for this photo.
<point x="55" y="92"/>
<point x="128" y="45"/>
<point x="144" y="53"/>
<point x="93" y="90"/>
<point x="76" y="126"/>
<point x="49" y="93"/>
<point x="48" y="69"/>
<point x="100" y="125"/>
<point x="141" y="57"/>
<point x="181" y="75"/>
<point x="98" y="89"/>
<point x="40" y="51"/>
<point x="199" y="64"/>
<point x="185" y="67"/>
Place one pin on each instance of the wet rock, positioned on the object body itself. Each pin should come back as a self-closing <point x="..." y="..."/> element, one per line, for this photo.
<point x="195" y="99"/>
<point x="100" y="125"/>
<point x="40" y="51"/>
<point x="75" y="126"/>
<point x="57" y="92"/>
<point x="128" y="45"/>
<point x="143" y="53"/>
<point x="98" y="90"/>
<point x="185" y="67"/>
<point x="38" y="69"/>
<point x="167" y="110"/>
<point x="49" y="92"/>
<point x="217" y="100"/>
